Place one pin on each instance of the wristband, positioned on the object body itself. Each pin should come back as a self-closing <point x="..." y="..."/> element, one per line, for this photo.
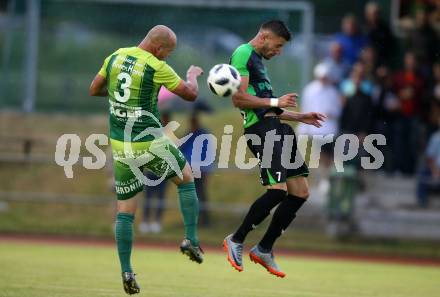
<point x="274" y="102"/>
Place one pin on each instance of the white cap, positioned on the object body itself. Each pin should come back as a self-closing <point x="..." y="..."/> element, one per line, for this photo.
<point x="321" y="70"/>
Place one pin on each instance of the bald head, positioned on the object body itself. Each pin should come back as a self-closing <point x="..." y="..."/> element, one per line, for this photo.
<point x="161" y="34"/>
<point x="160" y="41"/>
<point x="336" y="50"/>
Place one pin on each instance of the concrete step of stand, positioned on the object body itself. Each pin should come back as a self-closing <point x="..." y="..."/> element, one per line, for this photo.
<point x="399" y="223"/>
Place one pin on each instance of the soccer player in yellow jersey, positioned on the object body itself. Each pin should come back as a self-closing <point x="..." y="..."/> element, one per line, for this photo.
<point x="131" y="79"/>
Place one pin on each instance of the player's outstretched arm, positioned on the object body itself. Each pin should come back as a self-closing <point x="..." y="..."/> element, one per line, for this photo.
<point x="189" y="89"/>
<point x="242" y="99"/>
<point x="310" y="118"/>
<point x="98" y="86"/>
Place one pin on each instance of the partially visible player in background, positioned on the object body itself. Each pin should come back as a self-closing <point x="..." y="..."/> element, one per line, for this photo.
<point x="262" y="112"/>
<point x="154" y="202"/>
<point x="131" y="78"/>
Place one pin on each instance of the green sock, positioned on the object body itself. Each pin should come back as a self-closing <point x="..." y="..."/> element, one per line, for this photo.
<point x="124" y="239"/>
<point x="189" y="207"/>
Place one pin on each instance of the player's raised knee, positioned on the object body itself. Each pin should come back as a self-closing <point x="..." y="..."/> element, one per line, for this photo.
<point x="279" y="186"/>
<point x="303" y="193"/>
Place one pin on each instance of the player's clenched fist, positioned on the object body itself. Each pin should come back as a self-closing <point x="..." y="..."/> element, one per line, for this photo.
<point x="288" y="100"/>
<point x="194" y="70"/>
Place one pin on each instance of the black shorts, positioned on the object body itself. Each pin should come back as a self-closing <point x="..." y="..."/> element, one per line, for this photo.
<point x="281" y="162"/>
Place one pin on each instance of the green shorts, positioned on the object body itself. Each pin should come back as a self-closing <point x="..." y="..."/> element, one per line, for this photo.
<point x="130" y="159"/>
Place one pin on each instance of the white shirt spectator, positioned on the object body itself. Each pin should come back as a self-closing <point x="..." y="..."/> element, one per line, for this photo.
<point x="338" y="71"/>
<point x="324" y="98"/>
<point x="337" y="68"/>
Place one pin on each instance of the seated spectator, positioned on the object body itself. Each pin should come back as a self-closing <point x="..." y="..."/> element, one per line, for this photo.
<point x="379" y="34"/>
<point x="351" y="39"/>
<point x="338" y="68"/>
<point x="429" y="177"/>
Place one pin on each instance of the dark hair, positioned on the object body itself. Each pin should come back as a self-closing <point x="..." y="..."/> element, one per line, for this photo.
<point x="277" y="27"/>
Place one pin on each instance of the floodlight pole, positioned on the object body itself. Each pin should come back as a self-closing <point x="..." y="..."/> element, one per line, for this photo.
<point x="8" y="34"/>
<point x="307" y="26"/>
<point x="31" y="62"/>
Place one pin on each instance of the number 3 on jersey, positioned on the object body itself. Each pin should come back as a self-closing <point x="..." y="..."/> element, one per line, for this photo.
<point x="123" y="88"/>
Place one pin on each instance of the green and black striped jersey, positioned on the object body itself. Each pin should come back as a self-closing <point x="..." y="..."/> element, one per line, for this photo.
<point x="249" y="63"/>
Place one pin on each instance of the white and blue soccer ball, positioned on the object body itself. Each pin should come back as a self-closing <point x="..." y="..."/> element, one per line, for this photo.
<point x="224" y="80"/>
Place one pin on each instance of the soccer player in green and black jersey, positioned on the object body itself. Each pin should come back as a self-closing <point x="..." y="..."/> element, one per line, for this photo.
<point x="131" y="78"/>
<point x="262" y="113"/>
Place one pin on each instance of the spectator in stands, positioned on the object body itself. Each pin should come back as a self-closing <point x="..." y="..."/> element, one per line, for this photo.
<point x="322" y="96"/>
<point x="348" y="87"/>
<point x="429" y="177"/>
<point x="351" y="39"/>
<point x="154" y="198"/>
<point x="434" y="16"/>
<point x="408" y="86"/>
<point x="154" y="202"/>
<point x="357" y="113"/>
<point x="368" y="57"/>
<point x="424" y="42"/>
<point x="434" y="99"/>
<point x="188" y="149"/>
<point x="379" y="34"/>
<point x="338" y="68"/>
<point x="386" y="108"/>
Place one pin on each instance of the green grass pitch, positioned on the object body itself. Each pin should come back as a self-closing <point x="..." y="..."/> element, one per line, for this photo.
<point x="50" y="270"/>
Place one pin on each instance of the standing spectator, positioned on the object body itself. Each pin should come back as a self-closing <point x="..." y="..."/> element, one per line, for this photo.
<point x="201" y="182"/>
<point x="434" y="16"/>
<point x="348" y="87"/>
<point x="338" y="68"/>
<point x="351" y="39"/>
<point x="429" y="177"/>
<point x="424" y="42"/>
<point x="368" y="58"/>
<point x="154" y="198"/>
<point x="433" y="113"/>
<point x="379" y="34"/>
<point x="322" y="96"/>
<point x="154" y="202"/>
<point x="357" y="113"/>
<point x="386" y="108"/>
<point x="408" y="86"/>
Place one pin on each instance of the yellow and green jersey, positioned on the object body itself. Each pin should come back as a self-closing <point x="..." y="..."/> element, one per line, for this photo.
<point x="134" y="78"/>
